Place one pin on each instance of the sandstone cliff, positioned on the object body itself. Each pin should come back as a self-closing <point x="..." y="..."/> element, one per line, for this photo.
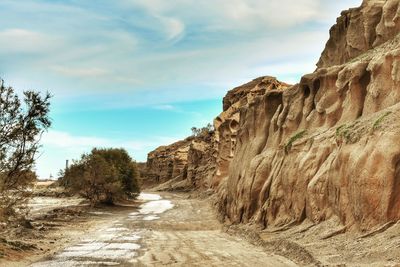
<point x="186" y="164"/>
<point x="228" y="122"/>
<point x="168" y="162"/>
<point x="203" y="159"/>
<point x="329" y="146"/>
<point x="326" y="148"/>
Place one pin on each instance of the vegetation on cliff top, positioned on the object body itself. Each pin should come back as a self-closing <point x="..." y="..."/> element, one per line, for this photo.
<point x="196" y="132"/>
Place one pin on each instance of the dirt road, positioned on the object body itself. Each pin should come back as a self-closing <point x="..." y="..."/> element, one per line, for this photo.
<point x="174" y="231"/>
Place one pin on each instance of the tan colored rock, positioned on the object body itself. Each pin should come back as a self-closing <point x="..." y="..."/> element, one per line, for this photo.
<point x="360" y="29"/>
<point x="329" y="146"/>
<point x="227" y="123"/>
<point x="242" y="95"/>
<point x="192" y="160"/>
<point x="201" y="161"/>
<point x="168" y="162"/>
<point x="326" y="148"/>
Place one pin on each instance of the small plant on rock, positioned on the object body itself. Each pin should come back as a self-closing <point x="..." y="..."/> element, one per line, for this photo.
<point x="348" y="133"/>
<point x="196" y="132"/>
<point x="379" y="121"/>
<point x="292" y="139"/>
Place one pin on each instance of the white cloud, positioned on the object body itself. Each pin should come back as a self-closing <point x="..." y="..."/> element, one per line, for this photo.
<point x="18" y="40"/>
<point x="59" y="146"/>
<point x="236" y="14"/>
<point x="80" y="72"/>
<point x="65" y="140"/>
<point x="174" y="27"/>
<point x="272" y="13"/>
<point x="165" y="107"/>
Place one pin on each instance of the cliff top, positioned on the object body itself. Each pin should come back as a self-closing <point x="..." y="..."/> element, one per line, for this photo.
<point x="257" y="86"/>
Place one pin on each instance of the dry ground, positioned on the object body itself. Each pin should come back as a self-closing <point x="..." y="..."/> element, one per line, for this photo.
<point x="57" y="222"/>
<point x="188" y="234"/>
<point x="157" y="235"/>
<point x="330" y="245"/>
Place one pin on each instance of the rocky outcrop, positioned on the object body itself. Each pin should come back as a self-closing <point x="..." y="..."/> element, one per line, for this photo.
<point x="326" y="148"/>
<point x="191" y="160"/>
<point x="168" y="162"/>
<point x="201" y="164"/>
<point x="360" y="29"/>
<point x="228" y="122"/>
<point x="204" y="159"/>
<point x="329" y="146"/>
<point x="244" y="94"/>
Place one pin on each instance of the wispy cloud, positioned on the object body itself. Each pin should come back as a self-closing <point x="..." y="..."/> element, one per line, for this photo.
<point x="174" y="27"/>
<point x="66" y="140"/>
<point x="165" y="107"/>
<point x="238" y="14"/>
<point x="112" y="55"/>
<point x="136" y="47"/>
<point x="80" y="72"/>
<point x="59" y="146"/>
<point x="17" y="40"/>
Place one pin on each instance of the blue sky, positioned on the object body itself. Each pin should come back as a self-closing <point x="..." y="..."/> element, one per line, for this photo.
<point x="140" y="73"/>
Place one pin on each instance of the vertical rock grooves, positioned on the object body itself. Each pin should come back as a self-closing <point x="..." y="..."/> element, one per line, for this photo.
<point x="326" y="148"/>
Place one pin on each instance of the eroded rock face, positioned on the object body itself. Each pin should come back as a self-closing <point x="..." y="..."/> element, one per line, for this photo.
<point x="326" y="148"/>
<point x="329" y="146"/>
<point x="228" y="122"/>
<point x="192" y="159"/>
<point x="244" y="94"/>
<point x="168" y="162"/>
<point x="203" y="160"/>
<point x="360" y="29"/>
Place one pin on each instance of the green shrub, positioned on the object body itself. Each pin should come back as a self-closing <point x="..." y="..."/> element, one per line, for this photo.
<point x="104" y="175"/>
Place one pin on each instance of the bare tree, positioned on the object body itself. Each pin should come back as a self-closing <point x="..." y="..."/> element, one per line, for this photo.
<point x="22" y="122"/>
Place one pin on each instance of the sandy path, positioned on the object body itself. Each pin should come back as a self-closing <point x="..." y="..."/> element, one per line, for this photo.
<point x="174" y="231"/>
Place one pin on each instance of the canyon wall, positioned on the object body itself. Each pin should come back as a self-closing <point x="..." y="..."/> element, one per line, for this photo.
<point x="201" y="162"/>
<point x="326" y="148"/>
<point x="168" y="162"/>
<point x="203" y="159"/>
<point x="191" y="160"/>
<point x="228" y="122"/>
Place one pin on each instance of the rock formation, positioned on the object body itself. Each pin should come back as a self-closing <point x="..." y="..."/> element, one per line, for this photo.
<point x="168" y="162"/>
<point x="227" y="123"/>
<point x="203" y="159"/>
<point x="326" y="148"/>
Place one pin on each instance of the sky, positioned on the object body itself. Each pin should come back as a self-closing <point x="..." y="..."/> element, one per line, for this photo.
<point x="139" y="74"/>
